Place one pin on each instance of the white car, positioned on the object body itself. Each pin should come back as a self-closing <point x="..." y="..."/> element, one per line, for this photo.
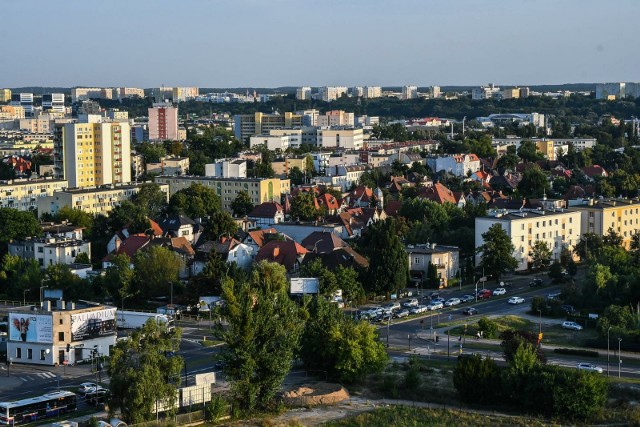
<point x="419" y="309"/>
<point x="410" y="303"/>
<point x="500" y="291"/>
<point x="435" y="306"/>
<point x="590" y="367"/>
<point x="571" y="325"/>
<point x="85" y="388"/>
<point x="516" y="300"/>
<point x="452" y="301"/>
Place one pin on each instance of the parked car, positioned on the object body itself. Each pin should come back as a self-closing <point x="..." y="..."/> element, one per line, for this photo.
<point x="516" y="300"/>
<point x="97" y="395"/>
<point x="571" y="325"/>
<point x="499" y="291"/>
<point x="484" y="293"/>
<point x="590" y="367"/>
<point x="413" y="302"/>
<point x="470" y="311"/>
<point x="467" y="298"/>
<point x="402" y="313"/>
<point x="395" y="305"/>
<point x="451" y="302"/>
<point x="553" y="296"/>
<point x="535" y="282"/>
<point x="569" y="309"/>
<point x="85" y="388"/>
<point x="435" y="306"/>
<point x="419" y="309"/>
<point x="438" y="300"/>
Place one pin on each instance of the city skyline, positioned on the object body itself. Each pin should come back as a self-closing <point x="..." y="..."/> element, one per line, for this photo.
<point x="291" y="43"/>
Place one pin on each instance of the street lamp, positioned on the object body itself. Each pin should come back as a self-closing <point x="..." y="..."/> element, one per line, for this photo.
<point x="409" y="338"/>
<point x="24" y="296"/>
<point x="482" y="279"/>
<point x="619" y="357"/>
<point x="608" y="330"/>
<point x="42" y="286"/>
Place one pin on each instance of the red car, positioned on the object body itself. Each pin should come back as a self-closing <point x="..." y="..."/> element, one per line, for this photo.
<point x="484" y="293"/>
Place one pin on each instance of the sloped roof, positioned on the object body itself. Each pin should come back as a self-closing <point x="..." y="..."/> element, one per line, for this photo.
<point x="174" y="222"/>
<point x="439" y="193"/>
<point x="322" y="242"/>
<point x="266" y="210"/>
<point x="345" y="257"/>
<point x="284" y="253"/>
<point x="595" y="170"/>
<point x="329" y="201"/>
<point x="392" y="207"/>
<point x="130" y="246"/>
<point x="259" y="236"/>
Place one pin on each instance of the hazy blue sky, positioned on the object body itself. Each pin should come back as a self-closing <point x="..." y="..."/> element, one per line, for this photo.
<point x="267" y="43"/>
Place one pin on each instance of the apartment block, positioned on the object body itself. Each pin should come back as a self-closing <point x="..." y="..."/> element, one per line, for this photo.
<point x="409" y="92"/>
<point x="226" y="168"/>
<point x="259" y="189"/>
<point x="50" y="250"/>
<point x="303" y="93"/>
<point x="11" y="112"/>
<point x="163" y="123"/>
<point x="283" y="167"/>
<point x="90" y="154"/>
<point x="349" y="139"/>
<point x="181" y="94"/>
<point x="117" y="115"/>
<point x="369" y="92"/>
<point x="456" y="164"/>
<point x="169" y="166"/>
<point x="5" y="95"/>
<point x="53" y="102"/>
<point x="511" y="93"/>
<point x="335" y="118"/>
<point x="272" y="142"/>
<point x="85" y="93"/>
<point x="485" y="92"/>
<point x="620" y="215"/>
<point x="24" y="100"/>
<point x="95" y="200"/>
<point x="331" y="93"/>
<point x="40" y="124"/>
<point x="23" y="194"/>
<point x="609" y="91"/>
<point x="130" y="92"/>
<point x="248" y="125"/>
<point x="558" y="228"/>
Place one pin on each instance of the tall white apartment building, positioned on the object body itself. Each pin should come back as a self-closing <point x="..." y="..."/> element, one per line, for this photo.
<point x="434" y="92"/>
<point x="331" y="93"/>
<point x="350" y="139"/>
<point x="130" y="92"/>
<point x="557" y="228"/>
<point x="53" y="102"/>
<point x="181" y="94"/>
<point x="369" y="92"/>
<point x="357" y="92"/>
<point x="84" y="93"/>
<point x="309" y="117"/>
<point x="336" y="118"/>
<point x="163" y="122"/>
<point x="226" y="168"/>
<point x="610" y="90"/>
<point x="303" y="93"/>
<point x="91" y="154"/>
<point x="409" y="92"/>
<point x="24" y="100"/>
<point x="484" y="92"/>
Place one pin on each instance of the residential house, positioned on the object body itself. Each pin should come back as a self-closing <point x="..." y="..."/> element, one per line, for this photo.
<point x="181" y="226"/>
<point x="123" y="234"/>
<point x="266" y="214"/>
<point x="445" y="259"/>
<point x="440" y="194"/>
<point x="361" y="196"/>
<point x="329" y="203"/>
<point x="286" y="253"/>
<point x="50" y="249"/>
<point x="595" y="171"/>
<point x="459" y="165"/>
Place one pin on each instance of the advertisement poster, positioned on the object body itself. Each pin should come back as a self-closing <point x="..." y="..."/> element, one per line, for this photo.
<point x="93" y="324"/>
<point x="30" y="328"/>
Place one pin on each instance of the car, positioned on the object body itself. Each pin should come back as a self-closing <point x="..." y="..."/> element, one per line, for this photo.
<point x="467" y="298"/>
<point x="97" y="395"/>
<point x="571" y="325"/>
<point x="401" y="313"/>
<point x="516" y="300"/>
<point x="441" y="300"/>
<point x="499" y="291"/>
<point x="506" y="284"/>
<point x="419" y="309"/>
<point x="85" y="388"/>
<point x="535" y="282"/>
<point x="435" y="306"/>
<point x="451" y="302"/>
<point x="470" y="311"/>
<point x="392" y="306"/>
<point x="410" y="303"/>
<point x="590" y="367"/>
<point x="484" y="293"/>
<point x="569" y="309"/>
<point x="553" y="296"/>
<point x="433" y="295"/>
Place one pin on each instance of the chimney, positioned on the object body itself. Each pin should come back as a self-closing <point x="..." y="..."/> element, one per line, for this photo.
<point x="276" y="251"/>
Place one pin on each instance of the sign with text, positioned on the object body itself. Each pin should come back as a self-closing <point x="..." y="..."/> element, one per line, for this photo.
<point x="93" y="324"/>
<point x="30" y="328"/>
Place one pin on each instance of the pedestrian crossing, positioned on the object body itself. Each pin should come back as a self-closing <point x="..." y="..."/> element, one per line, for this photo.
<point x="37" y="376"/>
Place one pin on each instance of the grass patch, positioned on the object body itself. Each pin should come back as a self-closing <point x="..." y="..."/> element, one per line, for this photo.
<point x="401" y="416"/>
<point x="209" y="343"/>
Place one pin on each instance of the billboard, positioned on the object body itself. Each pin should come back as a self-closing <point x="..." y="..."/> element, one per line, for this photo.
<point x="304" y="285"/>
<point x="27" y="327"/>
<point x="92" y="324"/>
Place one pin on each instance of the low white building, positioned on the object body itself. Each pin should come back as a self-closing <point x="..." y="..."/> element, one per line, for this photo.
<point x="347" y="175"/>
<point x="349" y="139"/>
<point x="556" y="227"/>
<point x="50" y="250"/>
<point x="456" y="164"/>
<point x="272" y="142"/>
<point x="226" y="168"/>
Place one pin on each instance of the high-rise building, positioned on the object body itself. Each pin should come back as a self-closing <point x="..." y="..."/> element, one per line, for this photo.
<point x="511" y="93"/>
<point x="335" y="118"/>
<point x="484" y="92"/>
<point x="5" y="95"/>
<point x="11" y="112"/>
<point x="53" y="102"/>
<point x="434" y="92"/>
<point x="163" y="122"/>
<point x="371" y="92"/>
<point x="525" y="92"/>
<point x="331" y="93"/>
<point x="130" y="92"/>
<point x="180" y="94"/>
<point x="303" y="93"/>
<point x="610" y="91"/>
<point x="248" y="125"/>
<point x="24" y="100"/>
<point x="84" y="93"/>
<point x="309" y="117"/>
<point x="93" y="153"/>
<point x="409" y="92"/>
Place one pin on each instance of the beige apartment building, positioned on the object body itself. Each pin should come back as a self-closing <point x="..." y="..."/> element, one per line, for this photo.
<point x="23" y="194"/>
<point x="163" y="123"/>
<point x="11" y="112"/>
<point x="259" y="189"/>
<point x="247" y="125"/>
<point x="5" y="95"/>
<point x="350" y="139"/>
<point x="184" y="93"/>
<point x="619" y="215"/>
<point x="91" y="154"/>
<point x="556" y="227"/>
<point x="335" y="118"/>
<point x="95" y="200"/>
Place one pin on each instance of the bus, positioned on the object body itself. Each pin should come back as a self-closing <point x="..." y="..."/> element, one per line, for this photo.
<point x="35" y="408"/>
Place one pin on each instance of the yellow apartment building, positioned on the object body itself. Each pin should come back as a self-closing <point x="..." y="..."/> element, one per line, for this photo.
<point x="620" y="215"/>
<point x="23" y="194"/>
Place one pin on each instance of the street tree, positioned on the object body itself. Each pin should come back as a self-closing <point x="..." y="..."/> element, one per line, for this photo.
<point x="242" y="204"/>
<point x="540" y="255"/>
<point x="155" y="270"/>
<point x="389" y="266"/>
<point x="261" y="335"/>
<point x="296" y="176"/>
<point x="529" y="152"/>
<point x="589" y="246"/>
<point x="76" y="217"/>
<point x="151" y="200"/>
<point x="497" y="252"/>
<point x="144" y="372"/>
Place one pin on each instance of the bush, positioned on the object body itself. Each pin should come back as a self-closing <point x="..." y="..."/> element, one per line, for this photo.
<point x="215" y="409"/>
<point x="488" y="327"/>
<point x="477" y="380"/>
<point x="577" y="352"/>
<point x="390" y="386"/>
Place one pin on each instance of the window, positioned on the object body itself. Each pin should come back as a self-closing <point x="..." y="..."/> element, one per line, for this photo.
<point x="19" y="352"/>
<point x="29" y="353"/>
<point x="416" y="260"/>
<point x="43" y="354"/>
<point x="60" y="336"/>
<point x="61" y="321"/>
<point x="570" y="220"/>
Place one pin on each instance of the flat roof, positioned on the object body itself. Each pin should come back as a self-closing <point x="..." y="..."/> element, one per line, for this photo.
<point x="528" y="214"/>
<point x="213" y="178"/>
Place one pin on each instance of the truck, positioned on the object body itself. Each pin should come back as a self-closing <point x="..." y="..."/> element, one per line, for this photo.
<point x="136" y="319"/>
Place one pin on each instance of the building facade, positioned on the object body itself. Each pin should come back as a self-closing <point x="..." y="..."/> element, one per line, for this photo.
<point x="619" y="215"/>
<point x="247" y="125"/>
<point x="445" y="259"/>
<point x="181" y="94"/>
<point x="50" y="250"/>
<point x="349" y="139"/>
<point x="303" y="93"/>
<point x="163" y="123"/>
<point x="23" y="194"/>
<point x="227" y="168"/>
<point x="53" y="102"/>
<point x="5" y="95"/>
<point x="457" y="164"/>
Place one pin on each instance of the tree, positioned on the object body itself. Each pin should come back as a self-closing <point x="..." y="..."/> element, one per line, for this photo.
<point x="296" y="176"/>
<point x="540" y="255"/>
<point x="497" y="252"/>
<point x="151" y="200"/>
<point x="328" y="282"/>
<point x="309" y="167"/>
<point x="509" y="160"/>
<point x="151" y="153"/>
<point x="144" y="371"/>
<point x="118" y="278"/>
<point x="348" y="280"/>
<point x="477" y="380"/>
<point x="589" y="246"/>
<point x="242" y="204"/>
<point x="612" y="238"/>
<point x="555" y="272"/>
<point x="75" y="216"/>
<point x="512" y="339"/>
<point x="534" y="183"/>
<point x="262" y="335"/>
<point x="16" y="225"/>
<point x="82" y="258"/>
<point x="346" y="349"/>
<point x="529" y="152"/>
<point x="155" y="270"/>
<point x="196" y="201"/>
<point x="303" y="206"/>
<point x="389" y="264"/>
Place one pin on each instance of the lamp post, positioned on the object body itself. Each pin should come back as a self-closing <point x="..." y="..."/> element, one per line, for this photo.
<point x="409" y="338"/>
<point x="42" y="286"/>
<point x="608" y="330"/>
<point x="482" y="279"/>
<point x="619" y="357"/>
<point x="388" y="324"/>
<point x="24" y="296"/>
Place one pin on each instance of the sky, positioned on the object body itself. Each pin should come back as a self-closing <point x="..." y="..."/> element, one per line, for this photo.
<point x="272" y="43"/>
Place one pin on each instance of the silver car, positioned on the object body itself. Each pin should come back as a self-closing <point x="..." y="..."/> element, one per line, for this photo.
<point x="589" y="367"/>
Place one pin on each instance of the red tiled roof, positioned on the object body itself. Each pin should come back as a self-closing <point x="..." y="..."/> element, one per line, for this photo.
<point x="258" y="235"/>
<point x="438" y="193"/>
<point x="284" y="253"/>
<point x="327" y="200"/>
